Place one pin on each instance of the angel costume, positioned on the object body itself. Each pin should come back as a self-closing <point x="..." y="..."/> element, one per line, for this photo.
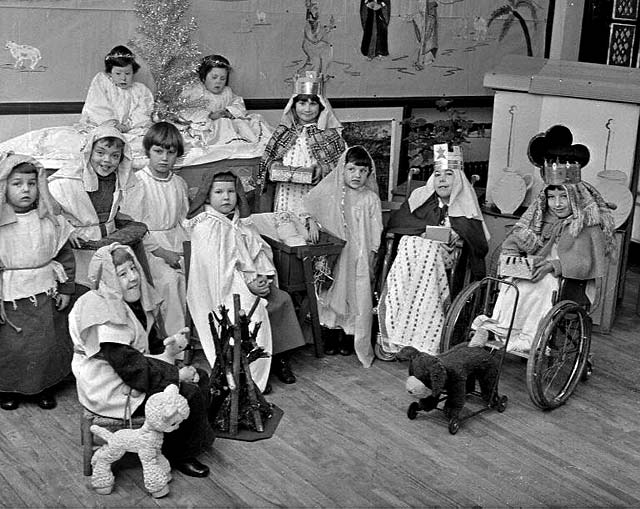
<point x="227" y="252"/>
<point x="241" y="137"/>
<point x="416" y="294"/>
<point x="55" y="147"/>
<point x="91" y="202"/>
<point x="354" y="215"/>
<point x="36" y="262"/>
<point x="295" y="144"/>
<point x="162" y="204"/>
<point x="577" y="246"/>
<point x="114" y="377"/>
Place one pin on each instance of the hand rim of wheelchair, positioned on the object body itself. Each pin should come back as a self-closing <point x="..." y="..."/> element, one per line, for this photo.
<point x="548" y="387"/>
<point x="538" y="392"/>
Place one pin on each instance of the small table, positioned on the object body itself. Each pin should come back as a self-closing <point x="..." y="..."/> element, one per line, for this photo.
<point x="294" y="265"/>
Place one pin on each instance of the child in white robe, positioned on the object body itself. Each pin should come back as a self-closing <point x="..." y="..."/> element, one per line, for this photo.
<point x="160" y="200"/>
<point x="35" y="287"/>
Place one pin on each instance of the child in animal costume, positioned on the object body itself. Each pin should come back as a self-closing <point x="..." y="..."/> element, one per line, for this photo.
<point x="37" y="281"/>
<point x="568" y="228"/>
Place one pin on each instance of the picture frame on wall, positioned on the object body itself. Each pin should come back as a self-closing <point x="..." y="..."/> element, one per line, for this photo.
<point x="379" y="130"/>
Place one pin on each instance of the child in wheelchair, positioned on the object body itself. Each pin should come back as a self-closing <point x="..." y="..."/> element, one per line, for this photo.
<point x="567" y="231"/>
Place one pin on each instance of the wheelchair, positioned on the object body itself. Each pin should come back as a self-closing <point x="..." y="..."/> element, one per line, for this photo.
<point x="560" y="354"/>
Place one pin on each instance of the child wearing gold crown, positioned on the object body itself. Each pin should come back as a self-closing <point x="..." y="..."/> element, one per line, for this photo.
<point x="307" y="139"/>
<point x="219" y="117"/>
<point x="414" y="298"/>
<point x="114" y="99"/>
<point x="569" y="230"/>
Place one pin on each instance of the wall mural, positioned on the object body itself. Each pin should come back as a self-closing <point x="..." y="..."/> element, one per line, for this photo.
<point x="365" y="48"/>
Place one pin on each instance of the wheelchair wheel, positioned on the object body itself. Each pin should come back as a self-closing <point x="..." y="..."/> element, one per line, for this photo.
<point x="454" y="426"/>
<point x="558" y="355"/>
<point x="383" y="354"/>
<point x="457" y="324"/>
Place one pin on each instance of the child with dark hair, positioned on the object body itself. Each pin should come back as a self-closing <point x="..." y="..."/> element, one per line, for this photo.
<point x="219" y="117"/>
<point x="91" y="193"/>
<point x="347" y="205"/>
<point x="114" y="99"/>
<point x="308" y="138"/>
<point x="36" y="286"/>
<point x="229" y="257"/>
<point x="160" y="200"/>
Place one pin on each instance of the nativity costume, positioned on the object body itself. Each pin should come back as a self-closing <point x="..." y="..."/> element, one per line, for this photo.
<point x="91" y="202"/>
<point x="295" y="144"/>
<point x="227" y="252"/>
<point x="417" y="291"/>
<point x="36" y="263"/>
<point x="162" y="205"/>
<point x="241" y="137"/>
<point x="56" y="147"/>
<point x="354" y="215"/>
<point x="114" y="377"/>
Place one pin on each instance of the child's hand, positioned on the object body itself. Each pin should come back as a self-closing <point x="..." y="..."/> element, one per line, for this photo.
<point x="260" y="286"/>
<point x="188" y="374"/>
<point x="317" y="173"/>
<point x="62" y="301"/>
<point x="215" y="115"/>
<point x="313" y="229"/>
<point x="170" y="257"/>
<point x="76" y="239"/>
<point x="541" y="269"/>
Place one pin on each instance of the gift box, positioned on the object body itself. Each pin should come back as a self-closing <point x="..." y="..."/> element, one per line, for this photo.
<point x="438" y="233"/>
<point x="516" y="266"/>
<point x="293" y="174"/>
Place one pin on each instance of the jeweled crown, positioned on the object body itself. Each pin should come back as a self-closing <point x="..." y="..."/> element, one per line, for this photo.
<point x="309" y="83"/>
<point x="557" y="174"/>
<point x="444" y="159"/>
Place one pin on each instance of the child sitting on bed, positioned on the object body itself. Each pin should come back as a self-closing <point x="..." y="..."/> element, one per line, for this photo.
<point x="113" y="98"/>
<point x="346" y="203"/>
<point x="228" y="257"/>
<point x="308" y="138"/>
<point x="36" y="285"/>
<point x="160" y="200"/>
<point x="218" y="116"/>
<point x="569" y="231"/>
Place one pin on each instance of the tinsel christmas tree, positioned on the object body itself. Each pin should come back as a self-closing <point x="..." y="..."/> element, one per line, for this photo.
<point x="164" y="42"/>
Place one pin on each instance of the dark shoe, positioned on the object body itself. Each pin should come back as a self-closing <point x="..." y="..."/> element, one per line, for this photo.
<point x="330" y="340"/>
<point x="283" y="370"/>
<point x="9" y="401"/>
<point x="267" y="389"/>
<point x="192" y="467"/>
<point x="46" y="400"/>
<point x="346" y="344"/>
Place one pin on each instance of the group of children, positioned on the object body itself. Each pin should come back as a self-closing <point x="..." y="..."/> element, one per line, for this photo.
<point x="121" y="233"/>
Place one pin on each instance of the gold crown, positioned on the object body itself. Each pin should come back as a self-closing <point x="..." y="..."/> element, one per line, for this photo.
<point x="557" y="174"/>
<point x="309" y="83"/>
<point x="444" y="159"/>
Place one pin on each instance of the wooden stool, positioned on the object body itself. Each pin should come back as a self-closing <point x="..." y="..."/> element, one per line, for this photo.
<point x="89" y="441"/>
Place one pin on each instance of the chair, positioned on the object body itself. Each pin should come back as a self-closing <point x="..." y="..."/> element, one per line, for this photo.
<point x="90" y="442"/>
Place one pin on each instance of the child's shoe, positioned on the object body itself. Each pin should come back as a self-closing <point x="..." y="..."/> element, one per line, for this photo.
<point x="9" y="401"/>
<point x="46" y="400"/>
<point x="329" y="340"/>
<point x="345" y="343"/>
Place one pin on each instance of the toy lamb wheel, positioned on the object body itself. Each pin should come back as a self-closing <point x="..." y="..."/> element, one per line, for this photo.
<point x="412" y="411"/>
<point x="454" y="426"/>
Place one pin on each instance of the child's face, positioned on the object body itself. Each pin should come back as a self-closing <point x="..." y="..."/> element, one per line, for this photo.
<point x="558" y="202"/>
<point x="307" y="110"/>
<point x="216" y="80"/>
<point x="222" y="197"/>
<point x="22" y="190"/>
<point x="104" y="158"/>
<point x="129" y="280"/>
<point x="443" y="181"/>
<point x="162" y="160"/>
<point x="355" y="176"/>
<point x="122" y="77"/>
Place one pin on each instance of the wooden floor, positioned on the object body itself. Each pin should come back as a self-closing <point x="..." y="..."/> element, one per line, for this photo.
<point x="345" y="441"/>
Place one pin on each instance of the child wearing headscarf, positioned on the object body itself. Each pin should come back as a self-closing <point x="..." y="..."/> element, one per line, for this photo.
<point x="346" y="204"/>
<point x="416" y="293"/>
<point x="229" y="257"/>
<point x="568" y="230"/>
<point x="91" y="193"/>
<point x="114" y="328"/>
<point x="37" y="274"/>
<point x="308" y="137"/>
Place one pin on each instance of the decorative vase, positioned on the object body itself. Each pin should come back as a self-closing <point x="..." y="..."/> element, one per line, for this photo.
<point x="510" y="190"/>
